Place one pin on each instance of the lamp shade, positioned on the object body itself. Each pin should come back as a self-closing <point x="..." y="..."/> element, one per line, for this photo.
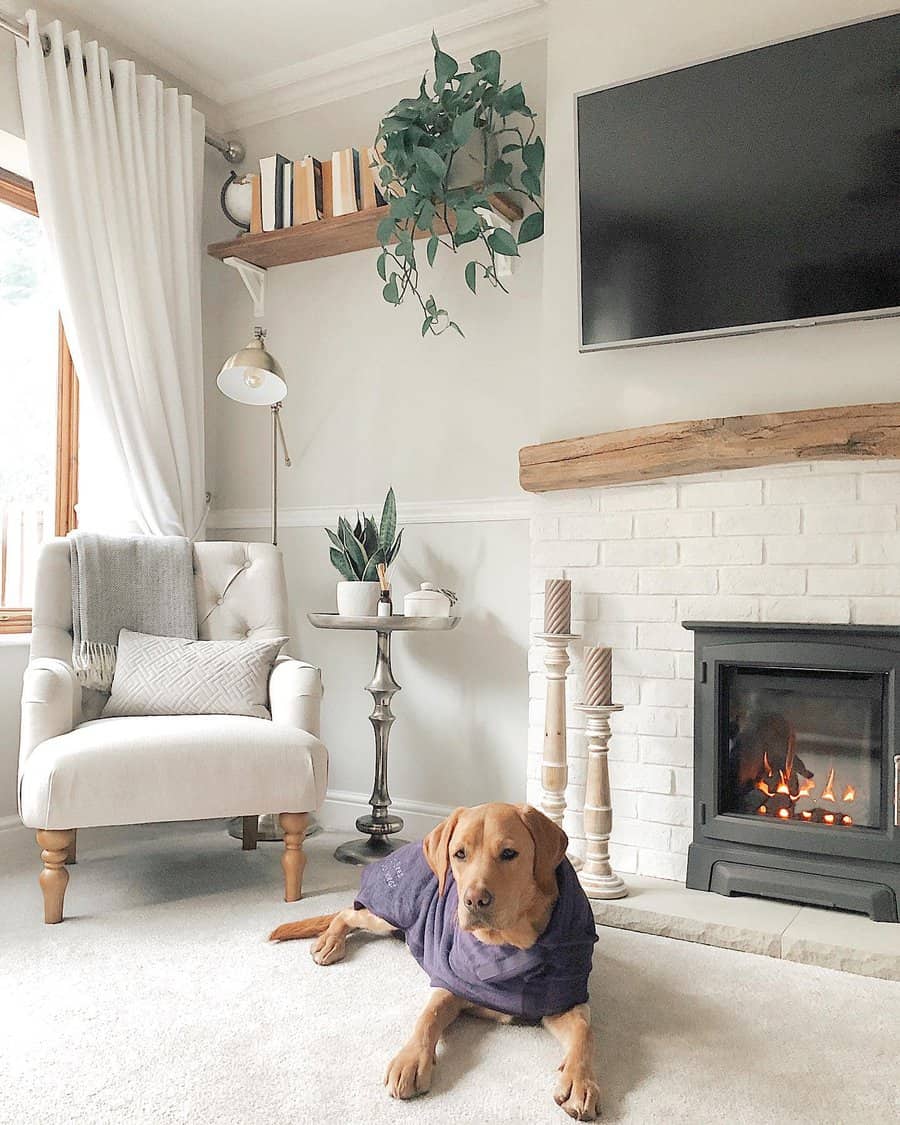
<point x="252" y="375"/>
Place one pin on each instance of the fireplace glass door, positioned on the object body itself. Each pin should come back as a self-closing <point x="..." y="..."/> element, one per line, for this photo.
<point x="802" y="746"/>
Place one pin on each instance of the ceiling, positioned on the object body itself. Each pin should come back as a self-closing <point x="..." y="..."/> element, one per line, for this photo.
<point x="234" y="51"/>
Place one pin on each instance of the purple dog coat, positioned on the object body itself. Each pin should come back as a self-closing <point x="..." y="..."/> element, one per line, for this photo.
<point x="548" y="978"/>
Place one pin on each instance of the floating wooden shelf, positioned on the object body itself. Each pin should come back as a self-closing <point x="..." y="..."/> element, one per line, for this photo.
<point x="325" y="238"/>
<point x="677" y="448"/>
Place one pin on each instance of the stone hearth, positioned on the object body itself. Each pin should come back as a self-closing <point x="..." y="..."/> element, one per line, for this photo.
<point x="810" y="935"/>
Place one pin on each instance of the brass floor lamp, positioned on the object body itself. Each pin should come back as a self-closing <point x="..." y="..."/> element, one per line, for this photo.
<point x="253" y="377"/>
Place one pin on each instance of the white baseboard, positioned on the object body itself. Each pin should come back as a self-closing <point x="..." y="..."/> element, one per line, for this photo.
<point x="340" y="810"/>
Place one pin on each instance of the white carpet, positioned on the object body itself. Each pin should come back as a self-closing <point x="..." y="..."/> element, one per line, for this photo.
<point x="160" y="1001"/>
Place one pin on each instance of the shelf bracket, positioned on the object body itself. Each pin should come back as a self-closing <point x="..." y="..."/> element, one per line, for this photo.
<point x="503" y="264"/>
<point x="254" y="278"/>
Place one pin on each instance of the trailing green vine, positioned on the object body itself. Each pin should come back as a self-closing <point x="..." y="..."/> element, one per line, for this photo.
<point x="417" y="143"/>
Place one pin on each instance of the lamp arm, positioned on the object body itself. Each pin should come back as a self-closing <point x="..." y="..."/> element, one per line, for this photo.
<point x="276" y="411"/>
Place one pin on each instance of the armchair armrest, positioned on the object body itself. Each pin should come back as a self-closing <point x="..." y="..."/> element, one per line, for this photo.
<point x="295" y="692"/>
<point x="50" y="693"/>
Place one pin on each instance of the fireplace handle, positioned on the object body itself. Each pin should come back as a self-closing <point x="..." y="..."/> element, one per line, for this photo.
<point x="897" y="791"/>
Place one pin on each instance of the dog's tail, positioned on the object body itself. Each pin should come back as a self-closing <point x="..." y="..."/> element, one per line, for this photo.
<point x="307" y="928"/>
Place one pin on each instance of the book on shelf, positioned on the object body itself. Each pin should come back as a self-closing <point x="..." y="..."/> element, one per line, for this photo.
<point x="370" y="167"/>
<point x="328" y="189"/>
<point x="287" y="196"/>
<point x="271" y="182"/>
<point x="309" y="200"/>
<point x="346" y="188"/>
<point x="255" y="206"/>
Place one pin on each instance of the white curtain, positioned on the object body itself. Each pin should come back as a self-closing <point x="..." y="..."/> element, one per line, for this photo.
<point x="117" y="164"/>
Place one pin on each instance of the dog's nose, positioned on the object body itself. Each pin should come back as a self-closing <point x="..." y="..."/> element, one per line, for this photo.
<point x="478" y="899"/>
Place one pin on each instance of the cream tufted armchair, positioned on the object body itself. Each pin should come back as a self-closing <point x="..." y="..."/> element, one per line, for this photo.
<point x="78" y="771"/>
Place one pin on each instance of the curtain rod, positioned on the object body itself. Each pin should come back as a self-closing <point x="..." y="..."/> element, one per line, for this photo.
<point x="233" y="151"/>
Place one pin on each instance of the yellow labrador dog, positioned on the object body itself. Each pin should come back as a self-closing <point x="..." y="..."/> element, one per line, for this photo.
<point x="493" y="911"/>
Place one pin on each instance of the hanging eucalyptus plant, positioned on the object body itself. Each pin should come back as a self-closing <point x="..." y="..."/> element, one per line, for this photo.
<point x="468" y="114"/>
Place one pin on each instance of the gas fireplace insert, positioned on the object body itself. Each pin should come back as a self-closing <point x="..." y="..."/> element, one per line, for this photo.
<point x="797" y="764"/>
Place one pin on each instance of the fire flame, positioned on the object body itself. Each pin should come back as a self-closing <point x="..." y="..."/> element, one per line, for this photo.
<point x="794" y="787"/>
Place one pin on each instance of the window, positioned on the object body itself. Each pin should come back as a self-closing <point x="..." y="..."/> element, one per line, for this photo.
<point x="38" y="405"/>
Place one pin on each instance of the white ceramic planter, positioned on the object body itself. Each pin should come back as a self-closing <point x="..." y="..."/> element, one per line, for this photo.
<point x="468" y="164"/>
<point x="358" y="599"/>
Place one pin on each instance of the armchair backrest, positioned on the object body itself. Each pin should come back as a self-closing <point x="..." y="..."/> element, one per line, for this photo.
<point x="241" y="592"/>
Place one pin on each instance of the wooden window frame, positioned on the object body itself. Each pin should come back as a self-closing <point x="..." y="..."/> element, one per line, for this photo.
<point x="19" y="192"/>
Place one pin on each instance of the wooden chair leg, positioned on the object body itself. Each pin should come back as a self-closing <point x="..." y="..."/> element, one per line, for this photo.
<point x="55" y="845"/>
<point x="71" y="856"/>
<point x="249" y="833"/>
<point x="293" y="861"/>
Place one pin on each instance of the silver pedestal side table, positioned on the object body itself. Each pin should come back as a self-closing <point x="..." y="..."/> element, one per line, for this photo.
<point x="380" y="827"/>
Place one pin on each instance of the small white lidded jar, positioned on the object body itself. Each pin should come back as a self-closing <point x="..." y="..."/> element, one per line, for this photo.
<point x="428" y="601"/>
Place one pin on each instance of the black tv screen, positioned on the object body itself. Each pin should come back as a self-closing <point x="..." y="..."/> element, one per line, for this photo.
<point x="744" y="193"/>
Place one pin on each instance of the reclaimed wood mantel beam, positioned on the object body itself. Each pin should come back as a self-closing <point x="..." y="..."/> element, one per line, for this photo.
<point x="677" y="448"/>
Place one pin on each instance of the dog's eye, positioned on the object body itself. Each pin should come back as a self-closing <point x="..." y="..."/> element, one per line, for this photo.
<point x="508" y="853"/>
<point x="460" y="853"/>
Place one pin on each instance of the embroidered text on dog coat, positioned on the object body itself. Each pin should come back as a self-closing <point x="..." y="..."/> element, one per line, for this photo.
<point x="549" y="977"/>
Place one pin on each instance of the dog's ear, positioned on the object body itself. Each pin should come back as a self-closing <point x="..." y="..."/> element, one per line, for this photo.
<point x="550" y="843"/>
<point x="436" y="846"/>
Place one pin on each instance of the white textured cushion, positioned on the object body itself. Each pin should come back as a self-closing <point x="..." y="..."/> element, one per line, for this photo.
<point x="173" y="676"/>
<point x="240" y="587"/>
<point x="187" y="767"/>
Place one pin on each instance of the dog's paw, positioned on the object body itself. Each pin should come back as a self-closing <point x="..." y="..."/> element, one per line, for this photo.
<point x="409" y="1073"/>
<point x="329" y="948"/>
<point x="578" y="1094"/>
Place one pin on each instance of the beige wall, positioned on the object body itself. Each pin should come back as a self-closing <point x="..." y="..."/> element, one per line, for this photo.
<point x="597" y="42"/>
<point x="10" y="113"/>
<point x="370" y="401"/>
<point x="370" y="404"/>
<point x="442" y="419"/>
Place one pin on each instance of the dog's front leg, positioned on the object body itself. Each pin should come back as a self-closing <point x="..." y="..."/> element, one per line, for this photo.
<point x="409" y="1072"/>
<point x="577" y="1090"/>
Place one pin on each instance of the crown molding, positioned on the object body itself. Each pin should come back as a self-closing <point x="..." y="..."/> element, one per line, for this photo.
<point x="503" y="509"/>
<point x="382" y="61"/>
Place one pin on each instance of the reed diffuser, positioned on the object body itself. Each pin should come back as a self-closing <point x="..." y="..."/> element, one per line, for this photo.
<point x="385" y="605"/>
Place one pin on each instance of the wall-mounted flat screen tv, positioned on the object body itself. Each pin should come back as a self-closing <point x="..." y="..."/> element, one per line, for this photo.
<point x="755" y="191"/>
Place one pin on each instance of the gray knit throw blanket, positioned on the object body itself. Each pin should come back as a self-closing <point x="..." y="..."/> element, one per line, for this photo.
<point x="139" y="582"/>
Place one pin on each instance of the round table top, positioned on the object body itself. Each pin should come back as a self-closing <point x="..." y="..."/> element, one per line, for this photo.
<point x="395" y="623"/>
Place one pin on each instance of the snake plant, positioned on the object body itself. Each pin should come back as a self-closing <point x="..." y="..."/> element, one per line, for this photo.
<point x="356" y="552"/>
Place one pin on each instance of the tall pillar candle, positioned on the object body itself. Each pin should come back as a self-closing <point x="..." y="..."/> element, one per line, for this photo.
<point x="597" y="676"/>
<point x="558" y="605"/>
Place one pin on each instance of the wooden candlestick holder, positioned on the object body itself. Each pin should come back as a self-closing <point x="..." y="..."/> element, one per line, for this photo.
<point x="555" y="763"/>
<point x="597" y="876"/>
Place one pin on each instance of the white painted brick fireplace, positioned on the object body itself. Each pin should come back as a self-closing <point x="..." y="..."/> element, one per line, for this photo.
<point x="815" y="542"/>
